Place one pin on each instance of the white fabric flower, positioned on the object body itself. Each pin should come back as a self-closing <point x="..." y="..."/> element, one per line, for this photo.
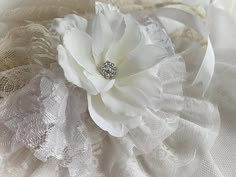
<point x="118" y="104"/>
<point x="173" y="132"/>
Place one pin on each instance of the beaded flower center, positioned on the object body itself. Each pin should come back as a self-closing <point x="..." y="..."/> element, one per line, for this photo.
<point x="108" y="70"/>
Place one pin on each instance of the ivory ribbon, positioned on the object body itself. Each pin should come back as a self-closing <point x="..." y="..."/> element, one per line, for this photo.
<point x="207" y="68"/>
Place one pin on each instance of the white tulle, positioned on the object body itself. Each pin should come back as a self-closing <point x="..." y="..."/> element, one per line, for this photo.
<point x="45" y="125"/>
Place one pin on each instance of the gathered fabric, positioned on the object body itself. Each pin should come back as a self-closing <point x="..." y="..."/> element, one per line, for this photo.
<point x="61" y="117"/>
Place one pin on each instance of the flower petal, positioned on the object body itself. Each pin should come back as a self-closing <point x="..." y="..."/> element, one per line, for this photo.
<point x="115" y="19"/>
<point x="106" y="7"/>
<point x="79" y="44"/>
<point x="102" y="37"/>
<point x="73" y="71"/>
<point x="116" y="124"/>
<point x="99" y="82"/>
<point x="147" y="83"/>
<point x="132" y="95"/>
<point x="69" y="22"/>
<point x="119" y="103"/>
<point x="141" y="58"/>
<point x="130" y="39"/>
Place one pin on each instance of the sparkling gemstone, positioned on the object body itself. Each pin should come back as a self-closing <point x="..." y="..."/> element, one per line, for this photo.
<point x="108" y="70"/>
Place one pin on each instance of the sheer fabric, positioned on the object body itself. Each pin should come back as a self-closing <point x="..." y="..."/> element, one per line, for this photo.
<point x="45" y="125"/>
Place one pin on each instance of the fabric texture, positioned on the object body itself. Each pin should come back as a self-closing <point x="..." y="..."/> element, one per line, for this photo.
<point x="47" y="128"/>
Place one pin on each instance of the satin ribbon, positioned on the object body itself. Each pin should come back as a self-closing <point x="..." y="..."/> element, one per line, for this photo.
<point x="207" y="68"/>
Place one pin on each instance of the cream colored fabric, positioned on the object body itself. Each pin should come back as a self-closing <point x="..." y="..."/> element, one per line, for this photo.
<point x="45" y="128"/>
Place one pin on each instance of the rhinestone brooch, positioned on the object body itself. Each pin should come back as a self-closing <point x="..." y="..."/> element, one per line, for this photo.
<point x="108" y="70"/>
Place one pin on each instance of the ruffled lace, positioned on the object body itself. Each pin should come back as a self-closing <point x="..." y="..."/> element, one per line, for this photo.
<point x="45" y="125"/>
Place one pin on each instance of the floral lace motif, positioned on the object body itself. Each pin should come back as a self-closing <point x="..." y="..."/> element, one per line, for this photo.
<point x="45" y="127"/>
<point x="38" y="117"/>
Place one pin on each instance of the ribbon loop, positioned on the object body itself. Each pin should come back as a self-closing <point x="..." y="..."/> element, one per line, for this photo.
<point x="206" y="70"/>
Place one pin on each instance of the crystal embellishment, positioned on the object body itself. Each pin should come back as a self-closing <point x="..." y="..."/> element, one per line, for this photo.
<point x="108" y="70"/>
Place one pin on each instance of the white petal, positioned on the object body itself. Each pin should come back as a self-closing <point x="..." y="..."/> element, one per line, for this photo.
<point x="132" y="95"/>
<point x="141" y="58"/>
<point x="131" y="38"/>
<point x="114" y="17"/>
<point x="105" y="7"/>
<point x="148" y="82"/>
<point x="116" y="21"/>
<point x="116" y="124"/>
<point x="69" y="22"/>
<point x="120" y="103"/>
<point x="79" y="45"/>
<point x="73" y="71"/>
<point x="99" y="82"/>
<point x="118" y="27"/>
<point x="102" y="37"/>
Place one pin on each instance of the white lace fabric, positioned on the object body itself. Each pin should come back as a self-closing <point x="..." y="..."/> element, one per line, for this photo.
<point x="45" y="127"/>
